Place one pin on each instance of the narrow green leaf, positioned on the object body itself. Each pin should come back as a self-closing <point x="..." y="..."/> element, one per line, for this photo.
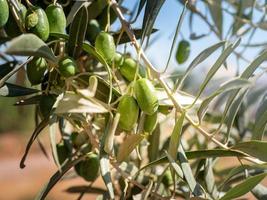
<point x="200" y="154"/>
<point x="12" y="90"/>
<point x="260" y="192"/>
<point x="241" y="169"/>
<point x="128" y="146"/>
<point x="243" y="187"/>
<point x="260" y="120"/>
<point x="56" y="177"/>
<point x="175" y="136"/>
<point x="245" y="75"/>
<point x="34" y="135"/>
<point x="210" y="179"/>
<point x="253" y="148"/>
<point x="30" y="45"/>
<point x="216" y="11"/>
<point x="53" y="142"/>
<point x="151" y="12"/>
<point x="140" y="7"/>
<point x="175" y="166"/>
<point x="104" y="162"/>
<point x="6" y="68"/>
<point x="199" y="59"/>
<point x="77" y="32"/>
<point x="29" y="101"/>
<point x="227" y="86"/>
<point x="228" y="50"/>
<point x="195" y="188"/>
<point x="154" y="143"/>
<point x="75" y="103"/>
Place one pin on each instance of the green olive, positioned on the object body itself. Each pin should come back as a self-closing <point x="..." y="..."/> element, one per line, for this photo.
<point x="4" y="12"/>
<point x="183" y="51"/>
<point x="105" y="46"/>
<point x="93" y="30"/>
<point x="129" y="112"/>
<point x="150" y="122"/>
<point x="128" y="69"/>
<point x="145" y="94"/>
<point x="81" y="140"/>
<point x="62" y="152"/>
<point x="12" y="29"/>
<point x="56" y="18"/>
<point x="67" y="67"/>
<point x="88" y="168"/>
<point x="37" y="22"/>
<point x="46" y="103"/>
<point x="36" y="69"/>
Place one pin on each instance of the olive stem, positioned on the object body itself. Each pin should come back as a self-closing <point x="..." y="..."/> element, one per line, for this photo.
<point x="128" y="30"/>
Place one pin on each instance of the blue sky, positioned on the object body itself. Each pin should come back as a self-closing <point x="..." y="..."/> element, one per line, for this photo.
<point x="166" y="23"/>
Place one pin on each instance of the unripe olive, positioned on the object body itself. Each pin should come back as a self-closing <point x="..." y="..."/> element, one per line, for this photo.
<point x="62" y="152"/>
<point x="128" y="69"/>
<point x="183" y="51"/>
<point x="46" y="103"/>
<point x="105" y="46"/>
<point x="56" y="18"/>
<point x="37" y="22"/>
<point x="12" y="28"/>
<point x="93" y="29"/>
<point x="167" y="179"/>
<point x="150" y="122"/>
<point x="79" y="140"/>
<point x="129" y="111"/>
<point x="67" y="67"/>
<point x="88" y="168"/>
<point x="145" y="94"/>
<point x="36" y="69"/>
<point x="118" y="60"/>
<point x="4" y="12"/>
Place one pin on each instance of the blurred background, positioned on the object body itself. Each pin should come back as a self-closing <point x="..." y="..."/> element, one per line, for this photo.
<point x="17" y="123"/>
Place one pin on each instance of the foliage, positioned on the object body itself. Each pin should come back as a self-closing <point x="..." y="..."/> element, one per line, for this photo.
<point x="112" y="111"/>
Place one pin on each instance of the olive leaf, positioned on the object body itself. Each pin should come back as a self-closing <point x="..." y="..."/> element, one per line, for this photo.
<point x="248" y="72"/>
<point x="6" y="68"/>
<point x="29" y="44"/>
<point x="105" y="162"/>
<point x="175" y="136"/>
<point x="200" y="154"/>
<point x="12" y="90"/>
<point x="253" y="148"/>
<point x="199" y="59"/>
<point x="227" y="86"/>
<point x="75" y="103"/>
<point x="194" y="186"/>
<point x="260" y="120"/>
<point x="228" y="50"/>
<point x="151" y="12"/>
<point x="77" y="32"/>
<point x="154" y="143"/>
<point x="128" y="146"/>
<point x="216" y="11"/>
<point x="34" y="135"/>
<point x="56" y="177"/>
<point x="260" y="192"/>
<point x="243" y="187"/>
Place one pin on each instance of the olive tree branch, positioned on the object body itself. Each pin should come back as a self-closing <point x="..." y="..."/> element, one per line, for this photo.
<point x="127" y="28"/>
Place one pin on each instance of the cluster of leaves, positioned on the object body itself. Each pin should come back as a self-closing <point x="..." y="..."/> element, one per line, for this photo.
<point x="111" y="110"/>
